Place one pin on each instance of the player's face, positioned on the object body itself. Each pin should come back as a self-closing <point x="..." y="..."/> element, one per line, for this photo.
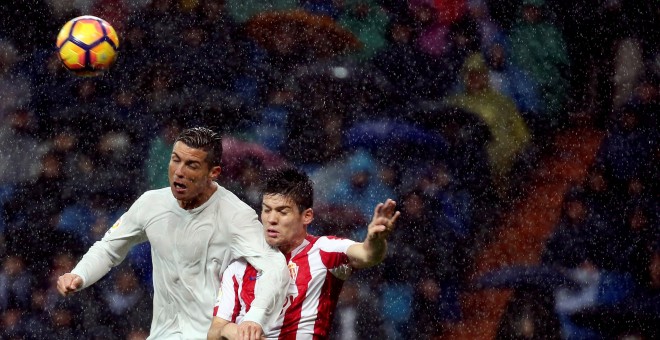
<point x="190" y="176"/>
<point x="284" y="224"/>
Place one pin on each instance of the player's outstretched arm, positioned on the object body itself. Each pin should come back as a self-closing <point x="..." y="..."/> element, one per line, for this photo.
<point x="69" y="283"/>
<point x="372" y="251"/>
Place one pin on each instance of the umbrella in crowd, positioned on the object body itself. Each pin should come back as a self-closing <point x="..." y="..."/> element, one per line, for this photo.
<point x="358" y="89"/>
<point x="394" y="135"/>
<point x="237" y="153"/>
<point x="635" y="315"/>
<point x="524" y="277"/>
<point x="351" y="78"/>
<point x="337" y="219"/>
<point x="298" y="31"/>
<point x="242" y="10"/>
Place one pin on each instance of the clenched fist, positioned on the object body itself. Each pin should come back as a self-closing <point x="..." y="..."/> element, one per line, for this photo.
<point x="69" y="283"/>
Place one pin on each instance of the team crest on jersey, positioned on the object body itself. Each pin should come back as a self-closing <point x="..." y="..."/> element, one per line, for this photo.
<point x="114" y="226"/>
<point x="217" y="300"/>
<point x="293" y="270"/>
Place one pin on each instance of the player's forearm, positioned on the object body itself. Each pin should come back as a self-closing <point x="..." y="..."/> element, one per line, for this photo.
<point x="367" y="254"/>
<point x="376" y="249"/>
<point x="229" y="332"/>
<point x="270" y="288"/>
<point x="221" y="330"/>
<point x="95" y="264"/>
<point x="215" y="333"/>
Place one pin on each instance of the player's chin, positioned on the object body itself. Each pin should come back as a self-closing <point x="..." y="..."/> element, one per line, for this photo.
<point x="272" y="241"/>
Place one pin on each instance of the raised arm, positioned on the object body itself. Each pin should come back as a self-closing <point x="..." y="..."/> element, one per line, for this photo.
<point x="372" y="251"/>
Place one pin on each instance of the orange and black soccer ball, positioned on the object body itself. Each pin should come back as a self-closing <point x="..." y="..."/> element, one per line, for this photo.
<point x="87" y="45"/>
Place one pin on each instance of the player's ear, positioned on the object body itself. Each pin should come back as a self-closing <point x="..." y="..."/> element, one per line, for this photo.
<point x="308" y="216"/>
<point x="215" y="172"/>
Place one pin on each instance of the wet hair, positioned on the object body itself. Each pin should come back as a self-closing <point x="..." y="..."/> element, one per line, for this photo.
<point x="289" y="182"/>
<point x="204" y="139"/>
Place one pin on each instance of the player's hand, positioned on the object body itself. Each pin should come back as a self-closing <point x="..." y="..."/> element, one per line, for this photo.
<point x="249" y="330"/>
<point x="69" y="283"/>
<point x="383" y="221"/>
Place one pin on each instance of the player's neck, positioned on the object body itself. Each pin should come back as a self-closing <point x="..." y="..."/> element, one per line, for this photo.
<point x="288" y="248"/>
<point x="200" y="199"/>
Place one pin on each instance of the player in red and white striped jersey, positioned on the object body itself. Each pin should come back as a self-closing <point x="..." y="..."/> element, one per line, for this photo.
<point x="318" y="265"/>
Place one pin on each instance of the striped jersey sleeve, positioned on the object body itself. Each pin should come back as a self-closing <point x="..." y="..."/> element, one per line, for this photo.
<point x="236" y="291"/>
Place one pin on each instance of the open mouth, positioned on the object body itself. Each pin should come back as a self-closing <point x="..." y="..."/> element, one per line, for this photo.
<point x="179" y="186"/>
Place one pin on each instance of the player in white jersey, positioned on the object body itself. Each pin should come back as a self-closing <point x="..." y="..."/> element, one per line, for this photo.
<point x="318" y="265"/>
<point x="195" y="228"/>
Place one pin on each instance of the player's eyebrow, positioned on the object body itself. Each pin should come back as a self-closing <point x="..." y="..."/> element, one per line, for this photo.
<point x="187" y="161"/>
<point x="278" y="207"/>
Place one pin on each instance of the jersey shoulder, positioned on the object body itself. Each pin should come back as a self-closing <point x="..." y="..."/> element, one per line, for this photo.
<point x="333" y="244"/>
<point x="237" y="268"/>
<point x="227" y="197"/>
<point x="156" y="195"/>
<point x="228" y="202"/>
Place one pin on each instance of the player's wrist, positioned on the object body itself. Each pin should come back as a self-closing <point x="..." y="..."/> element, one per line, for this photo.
<point x="256" y="315"/>
<point x="83" y="279"/>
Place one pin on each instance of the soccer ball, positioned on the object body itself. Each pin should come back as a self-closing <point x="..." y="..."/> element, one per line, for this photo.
<point x="87" y="45"/>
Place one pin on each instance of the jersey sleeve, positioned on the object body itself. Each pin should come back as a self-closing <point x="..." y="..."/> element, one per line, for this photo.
<point x="228" y="305"/>
<point x="111" y="250"/>
<point x="333" y="254"/>
<point x="249" y="243"/>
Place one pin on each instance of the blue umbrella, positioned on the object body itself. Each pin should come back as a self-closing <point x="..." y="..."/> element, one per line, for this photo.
<point x="637" y="314"/>
<point x="395" y="136"/>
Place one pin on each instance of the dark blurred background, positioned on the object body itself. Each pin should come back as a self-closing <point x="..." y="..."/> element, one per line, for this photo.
<point x="519" y="138"/>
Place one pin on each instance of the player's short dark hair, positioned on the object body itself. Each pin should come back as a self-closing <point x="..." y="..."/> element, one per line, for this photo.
<point x="289" y="182"/>
<point x="204" y="139"/>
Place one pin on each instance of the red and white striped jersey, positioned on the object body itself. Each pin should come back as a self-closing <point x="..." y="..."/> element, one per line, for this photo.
<point x="318" y="268"/>
<point x="236" y="291"/>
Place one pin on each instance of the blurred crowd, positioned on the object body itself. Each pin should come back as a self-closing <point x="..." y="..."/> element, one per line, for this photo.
<point x="444" y="106"/>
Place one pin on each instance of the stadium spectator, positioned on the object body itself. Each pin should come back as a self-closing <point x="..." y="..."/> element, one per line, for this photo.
<point x="15" y="284"/>
<point x="538" y="47"/>
<point x="160" y="150"/>
<point x="509" y="80"/>
<point x="510" y="135"/>
<point x="356" y="314"/>
<point x="20" y="148"/>
<point x="625" y="150"/>
<point x="368" y="21"/>
<point x="412" y="73"/>
<point x="129" y="304"/>
<point x="573" y="237"/>
<point x="358" y="185"/>
<point x="15" y="87"/>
